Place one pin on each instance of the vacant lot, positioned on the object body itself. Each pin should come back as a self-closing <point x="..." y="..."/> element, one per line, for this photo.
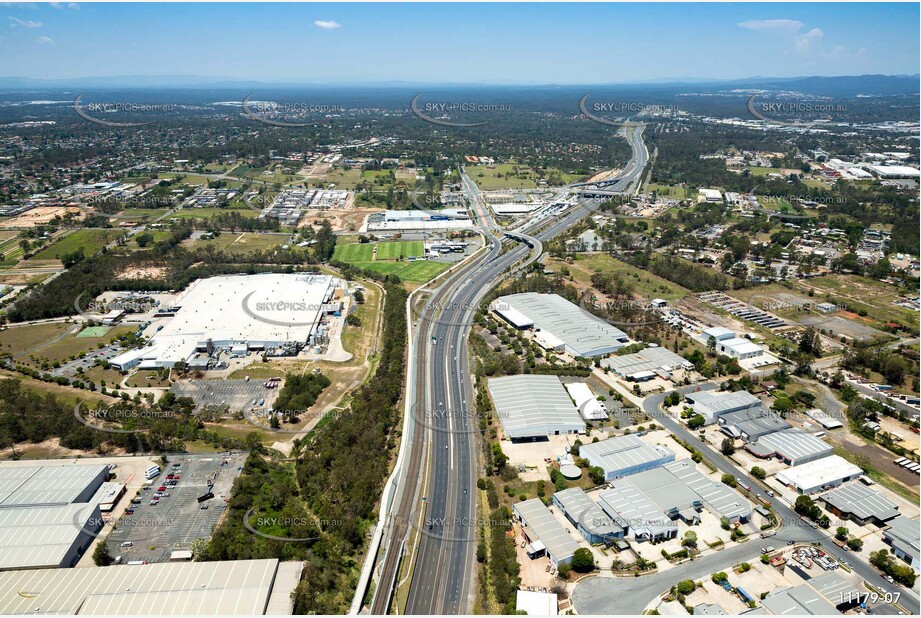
<point x="18" y="339"/>
<point x="90" y="241"/>
<point x="73" y="345"/>
<point x="237" y="244"/>
<point x="503" y="176"/>
<point x="644" y="284"/>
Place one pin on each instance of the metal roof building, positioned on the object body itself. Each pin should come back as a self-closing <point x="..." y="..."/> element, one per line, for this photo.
<point x="588" y="518"/>
<point x="647" y="359"/>
<point x="241" y="587"/>
<point x="904" y="535"/>
<point x="711" y="405"/>
<point x="50" y="484"/>
<point x="629" y="507"/>
<point x="534" y="406"/>
<point x="582" y="333"/>
<point x="799" y="600"/>
<point x="718" y="497"/>
<point x="588" y="405"/>
<point x="36" y="537"/>
<point x="821" y="474"/>
<point x="752" y="423"/>
<point x="625" y="455"/>
<point x="795" y="446"/>
<point x="542" y="526"/>
<point x="858" y="502"/>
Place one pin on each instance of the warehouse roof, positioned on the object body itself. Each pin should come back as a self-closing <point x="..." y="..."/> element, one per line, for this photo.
<point x="818" y="473"/>
<point x="583" y="333"/>
<point x="239" y="587"/>
<point x="647" y="359"/>
<point x="716" y="332"/>
<point x="550" y="531"/>
<point x="906" y="532"/>
<point x="623" y="452"/>
<point x="718" y="496"/>
<point x="861" y="501"/>
<point x="713" y="404"/>
<point x="48" y="484"/>
<point x="755" y="421"/>
<point x="799" y="600"/>
<point x="531" y="405"/>
<point x="740" y="346"/>
<point x="834" y="587"/>
<point x="41" y="536"/>
<point x="630" y="508"/>
<point x="586" y="402"/>
<point x="585" y="511"/>
<point x="795" y="444"/>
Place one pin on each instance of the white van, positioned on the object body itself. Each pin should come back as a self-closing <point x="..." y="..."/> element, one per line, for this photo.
<point x="152" y="472"/>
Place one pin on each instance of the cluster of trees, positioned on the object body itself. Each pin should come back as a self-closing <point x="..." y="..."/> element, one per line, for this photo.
<point x="331" y="485"/>
<point x="686" y="274"/>
<point x="806" y="507"/>
<point x="894" y="366"/>
<point x="299" y="393"/>
<point x="887" y="563"/>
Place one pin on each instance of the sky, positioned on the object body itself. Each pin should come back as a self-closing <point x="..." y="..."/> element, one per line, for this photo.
<point x="465" y="43"/>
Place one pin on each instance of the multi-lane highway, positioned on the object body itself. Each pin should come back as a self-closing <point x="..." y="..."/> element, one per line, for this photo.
<point x="433" y="522"/>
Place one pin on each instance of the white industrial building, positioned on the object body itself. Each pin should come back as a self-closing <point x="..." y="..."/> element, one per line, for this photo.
<point x="739" y="348"/>
<point x="420" y="220"/>
<point x="534" y="406"/>
<point x="239" y="587"/>
<point x="712" y="405"/>
<point x="48" y="514"/>
<point x="793" y="446"/>
<point x="262" y="312"/>
<point x="904" y="537"/>
<point x="588" y="405"/>
<point x="709" y="195"/>
<point x="818" y="475"/>
<point x="719" y="333"/>
<point x="582" y="333"/>
<point x="625" y="455"/>
<point x="657" y="360"/>
<point x="544" y="534"/>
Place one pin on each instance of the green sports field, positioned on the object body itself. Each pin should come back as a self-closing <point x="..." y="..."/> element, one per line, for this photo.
<point x="94" y="331"/>
<point x="355" y="252"/>
<point x="393" y="250"/>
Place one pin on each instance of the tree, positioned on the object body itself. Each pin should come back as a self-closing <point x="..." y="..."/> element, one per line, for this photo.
<point x="686" y="586"/>
<point x="759" y="473"/>
<point x="583" y="561"/>
<point x="841" y="533"/>
<point x="728" y="447"/>
<point x="855" y="544"/>
<point x="101" y="556"/>
<point x="690" y="539"/>
<point x="596" y="473"/>
<point x="730" y="480"/>
<point x="696" y="421"/>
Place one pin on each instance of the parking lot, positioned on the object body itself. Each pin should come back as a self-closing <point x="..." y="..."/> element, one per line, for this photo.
<point x="70" y="369"/>
<point x="154" y="531"/>
<point x="238" y="395"/>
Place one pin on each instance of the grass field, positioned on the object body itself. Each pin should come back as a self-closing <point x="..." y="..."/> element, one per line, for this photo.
<point x="412" y="272"/>
<point x="73" y="345"/>
<point x="390" y="250"/>
<point x="504" y="176"/>
<point x="207" y="213"/>
<point x="343" y="179"/>
<point x="645" y="285"/>
<point x="675" y="192"/>
<point x="236" y="243"/>
<point x="355" y="252"/>
<point x="17" y="339"/>
<point x="90" y="240"/>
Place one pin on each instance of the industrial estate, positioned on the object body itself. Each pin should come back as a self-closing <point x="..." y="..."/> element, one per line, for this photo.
<point x="352" y="346"/>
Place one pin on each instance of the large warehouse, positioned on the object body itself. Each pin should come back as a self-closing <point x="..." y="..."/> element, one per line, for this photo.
<point x="39" y="537"/>
<point x="625" y="455"/>
<point x="660" y="361"/>
<point x="48" y="517"/>
<point x="794" y="446"/>
<point x="751" y="424"/>
<point x="588" y="405"/>
<point x="904" y="537"/>
<point x="256" y="312"/>
<point x="820" y="474"/>
<point x="588" y="518"/>
<point x="242" y="587"/>
<point x="857" y="502"/>
<point x="582" y="333"/>
<point x="635" y="513"/>
<point x="534" y="406"/>
<point x="544" y="533"/>
<point x="712" y="405"/>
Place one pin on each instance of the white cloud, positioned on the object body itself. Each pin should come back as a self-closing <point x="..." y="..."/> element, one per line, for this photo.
<point x="25" y="23"/>
<point x="327" y="25"/>
<point x="810" y="42"/>
<point x="44" y="40"/>
<point x="772" y="25"/>
<point x="60" y="5"/>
